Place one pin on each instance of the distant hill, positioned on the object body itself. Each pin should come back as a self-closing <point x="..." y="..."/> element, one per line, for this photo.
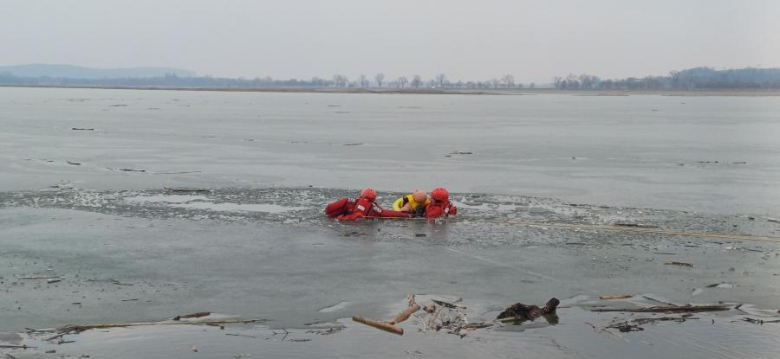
<point x="78" y="72"/>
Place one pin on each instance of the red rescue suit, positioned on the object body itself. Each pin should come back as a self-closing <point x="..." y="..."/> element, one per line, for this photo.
<point x="437" y="209"/>
<point x="347" y="209"/>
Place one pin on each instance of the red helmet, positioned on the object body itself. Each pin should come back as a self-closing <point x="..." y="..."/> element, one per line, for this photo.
<point x="369" y="194"/>
<point x="440" y="194"/>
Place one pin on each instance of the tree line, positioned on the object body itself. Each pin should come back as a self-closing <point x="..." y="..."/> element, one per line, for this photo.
<point x="690" y="79"/>
<point x="379" y="80"/>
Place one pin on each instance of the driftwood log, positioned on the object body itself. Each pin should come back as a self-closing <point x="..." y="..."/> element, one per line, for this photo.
<point x="379" y="325"/>
<point x="75" y="329"/>
<point x="405" y="314"/>
<point x="389" y="326"/>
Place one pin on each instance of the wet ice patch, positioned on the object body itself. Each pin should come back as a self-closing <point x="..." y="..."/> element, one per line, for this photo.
<point x="488" y="206"/>
<point x="751" y="309"/>
<point x="237" y="207"/>
<point x="577" y="300"/>
<point x="203" y="203"/>
<point x="335" y="307"/>
<point x="166" y="199"/>
<point x="10" y="338"/>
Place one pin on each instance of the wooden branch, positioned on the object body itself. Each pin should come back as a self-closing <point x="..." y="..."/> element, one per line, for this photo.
<point x="442" y="303"/>
<point x="759" y="321"/>
<point x="611" y="297"/>
<point x="405" y="314"/>
<point x="643" y="321"/>
<point x="681" y="264"/>
<point x="81" y="328"/>
<point x="4" y="346"/>
<point x="480" y="325"/>
<point x="193" y="315"/>
<point x="434" y="317"/>
<point x="511" y="319"/>
<point x="668" y="309"/>
<point x="379" y="325"/>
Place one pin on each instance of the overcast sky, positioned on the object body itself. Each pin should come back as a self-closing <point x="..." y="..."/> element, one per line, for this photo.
<point x="479" y="39"/>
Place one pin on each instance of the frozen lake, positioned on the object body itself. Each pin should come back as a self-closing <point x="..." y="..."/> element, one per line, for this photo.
<point x="88" y="234"/>
<point x="708" y="154"/>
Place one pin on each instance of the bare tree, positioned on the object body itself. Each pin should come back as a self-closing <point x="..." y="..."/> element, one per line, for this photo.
<point x="363" y="81"/>
<point x="402" y="81"/>
<point x="441" y="79"/>
<point x="379" y="78"/>
<point x="340" y="80"/>
<point x="416" y="81"/>
<point x="532" y="85"/>
<point x="573" y="82"/>
<point x="589" y="81"/>
<point x="558" y="82"/>
<point x="495" y="82"/>
<point x="508" y="81"/>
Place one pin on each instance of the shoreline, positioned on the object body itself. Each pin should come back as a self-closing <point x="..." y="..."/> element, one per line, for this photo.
<point x="433" y="91"/>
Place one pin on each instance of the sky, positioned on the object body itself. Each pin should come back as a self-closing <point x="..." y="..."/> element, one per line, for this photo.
<point x="467" y="40"/>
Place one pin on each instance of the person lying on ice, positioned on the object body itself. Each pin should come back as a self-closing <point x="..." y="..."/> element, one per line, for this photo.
<point x="348" y="209"/>
<point x="440" y="205"/>
<point x="413" y="203"/>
